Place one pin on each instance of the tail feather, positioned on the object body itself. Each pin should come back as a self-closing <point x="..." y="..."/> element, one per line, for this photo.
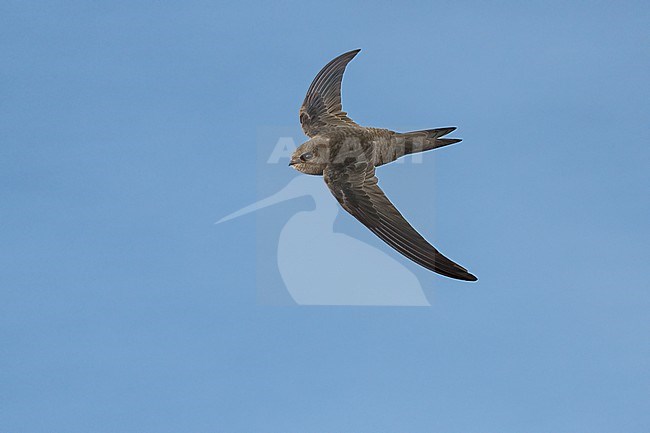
<point x="406" y="143"/>
<point x="441" y="142"/>
<point x="427" y="139"/>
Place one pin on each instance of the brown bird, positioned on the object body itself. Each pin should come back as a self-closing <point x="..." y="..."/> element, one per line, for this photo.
<point x="346" y="155"/>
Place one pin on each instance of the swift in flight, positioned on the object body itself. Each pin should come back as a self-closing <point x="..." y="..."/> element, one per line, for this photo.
<point x="346" y="155"/>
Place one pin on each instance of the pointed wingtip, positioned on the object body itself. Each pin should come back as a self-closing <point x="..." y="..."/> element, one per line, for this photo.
<point x="464" y="276"/>
<point x="460" y="273"/>
<point x="352" y="53"/>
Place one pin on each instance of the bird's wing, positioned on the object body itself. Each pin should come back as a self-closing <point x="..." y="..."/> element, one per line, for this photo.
<point x="322" y="105"/>
<point x="355" y="187"/>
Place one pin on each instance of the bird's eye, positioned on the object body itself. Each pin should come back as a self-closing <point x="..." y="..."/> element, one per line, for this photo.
<point x="306" y="156"/>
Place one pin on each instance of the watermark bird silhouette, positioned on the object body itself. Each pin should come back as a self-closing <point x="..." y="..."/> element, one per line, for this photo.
<point x="341" y="270"/>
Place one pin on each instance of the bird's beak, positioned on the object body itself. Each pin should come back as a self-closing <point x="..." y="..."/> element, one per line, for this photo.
<point x="294" y="161"/>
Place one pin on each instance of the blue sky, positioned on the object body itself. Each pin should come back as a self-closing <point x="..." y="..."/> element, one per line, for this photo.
<point x="128" y="128"/>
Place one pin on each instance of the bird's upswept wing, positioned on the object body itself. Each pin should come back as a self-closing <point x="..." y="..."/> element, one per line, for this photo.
<point x="355" y="187"/>
<point x="322" y="105"/>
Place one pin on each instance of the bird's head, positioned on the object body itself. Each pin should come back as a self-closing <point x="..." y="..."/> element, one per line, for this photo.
<point x="311" y="157"/>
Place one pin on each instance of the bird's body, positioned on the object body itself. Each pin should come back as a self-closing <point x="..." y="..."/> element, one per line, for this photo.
<point x="379" y="145"/>
<point x="346" y="155"/>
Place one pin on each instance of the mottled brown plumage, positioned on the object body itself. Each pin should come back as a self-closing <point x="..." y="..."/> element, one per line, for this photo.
<point x="346" y="155"/>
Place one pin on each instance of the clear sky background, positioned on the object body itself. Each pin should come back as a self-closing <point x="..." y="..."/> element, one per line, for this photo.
<point x="128" y="128"/>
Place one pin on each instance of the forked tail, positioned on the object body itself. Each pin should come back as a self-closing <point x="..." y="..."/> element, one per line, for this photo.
<point x="405" y="143"/>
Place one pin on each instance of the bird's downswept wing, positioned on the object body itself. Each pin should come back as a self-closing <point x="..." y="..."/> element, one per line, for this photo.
<point x="322" y="105"/>
<point x="355" y="187"/>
